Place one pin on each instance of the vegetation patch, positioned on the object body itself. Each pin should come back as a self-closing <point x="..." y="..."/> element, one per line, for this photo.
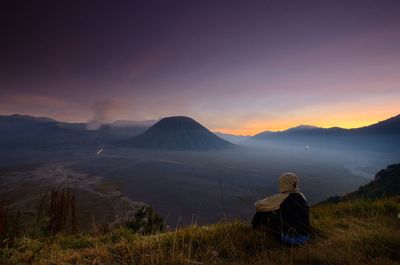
<point x="358" y="232"/>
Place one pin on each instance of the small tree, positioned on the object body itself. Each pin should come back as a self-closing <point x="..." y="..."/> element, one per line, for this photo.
<point x="146" y="222"/>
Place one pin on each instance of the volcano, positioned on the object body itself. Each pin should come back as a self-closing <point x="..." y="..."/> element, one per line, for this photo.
<point x="177" y="133"/>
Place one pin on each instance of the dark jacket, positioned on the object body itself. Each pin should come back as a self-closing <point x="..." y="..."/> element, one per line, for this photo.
<point x="291" y="219"/>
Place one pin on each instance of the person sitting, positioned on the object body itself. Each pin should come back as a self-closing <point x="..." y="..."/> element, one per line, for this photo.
<point x="285" y="214"/>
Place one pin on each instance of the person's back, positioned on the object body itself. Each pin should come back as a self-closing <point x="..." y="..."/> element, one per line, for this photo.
<point x="285" y="214"/>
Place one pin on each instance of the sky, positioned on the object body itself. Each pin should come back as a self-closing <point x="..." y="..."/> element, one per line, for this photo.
<point x="237" y="67"/>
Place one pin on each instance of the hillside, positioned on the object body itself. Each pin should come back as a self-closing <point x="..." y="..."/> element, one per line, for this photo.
<point x="356" y="232"/>
<point x="177" y="133"/>
<point x="386" y="183"/>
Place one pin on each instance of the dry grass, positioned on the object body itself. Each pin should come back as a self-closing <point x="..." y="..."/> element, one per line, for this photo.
<point x="359" y="232"/>
<point x="54" y="209"/>
<point x="10" y="229"/>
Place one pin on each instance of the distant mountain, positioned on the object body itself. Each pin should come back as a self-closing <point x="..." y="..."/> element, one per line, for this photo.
<point x="177" y="133"/>
<point x="301" y="131"/>
<point x="17" y="118"/>
<point x="385" y="184"/>
<point x="302" y="128"/>
<point x="390" y="126"/>
<point x="382" y="135"/>
<point x="237" y="139"/>
<point x="24" y="132"/>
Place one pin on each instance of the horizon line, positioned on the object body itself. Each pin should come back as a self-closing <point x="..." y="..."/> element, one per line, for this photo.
<point x="214" y="131"/>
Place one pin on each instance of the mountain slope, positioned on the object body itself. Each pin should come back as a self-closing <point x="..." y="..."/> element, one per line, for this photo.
<point x="177" y="133"/>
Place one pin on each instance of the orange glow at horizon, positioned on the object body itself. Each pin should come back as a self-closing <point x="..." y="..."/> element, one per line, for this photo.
<point x="351" y="121"/>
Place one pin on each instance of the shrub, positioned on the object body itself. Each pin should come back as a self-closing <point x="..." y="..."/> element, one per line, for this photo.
<point x="146" y="222"/>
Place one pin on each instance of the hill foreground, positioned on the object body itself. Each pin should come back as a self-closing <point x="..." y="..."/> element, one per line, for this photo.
<point x="350" y="232"/>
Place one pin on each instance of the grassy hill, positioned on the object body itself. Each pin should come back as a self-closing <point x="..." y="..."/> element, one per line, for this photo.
<point x="351" y="232"/>
<point x="385" y="184"/>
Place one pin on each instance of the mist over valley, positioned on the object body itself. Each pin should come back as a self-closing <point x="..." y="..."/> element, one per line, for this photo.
<point x="181" y="169"/>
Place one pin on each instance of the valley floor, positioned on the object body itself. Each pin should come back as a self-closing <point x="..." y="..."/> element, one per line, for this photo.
<point x="99" y="200"/>
<point x="359" y="232"/>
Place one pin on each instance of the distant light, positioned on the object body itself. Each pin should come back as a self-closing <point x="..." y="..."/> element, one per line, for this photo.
<point x="307" y="146"/>
<point x="99" y="152"/>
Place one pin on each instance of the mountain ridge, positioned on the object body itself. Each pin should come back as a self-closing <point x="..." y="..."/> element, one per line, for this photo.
<point x="378" y="126"/>
<point x="30" y="131"/>
<point x="148" y="123"/>
<point x="383" y="136"/>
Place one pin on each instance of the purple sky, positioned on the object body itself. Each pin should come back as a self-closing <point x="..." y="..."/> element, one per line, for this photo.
<point x="235" y="66"/>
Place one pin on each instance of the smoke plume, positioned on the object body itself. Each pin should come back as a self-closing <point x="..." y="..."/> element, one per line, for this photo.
<point x="102" y="113"/>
